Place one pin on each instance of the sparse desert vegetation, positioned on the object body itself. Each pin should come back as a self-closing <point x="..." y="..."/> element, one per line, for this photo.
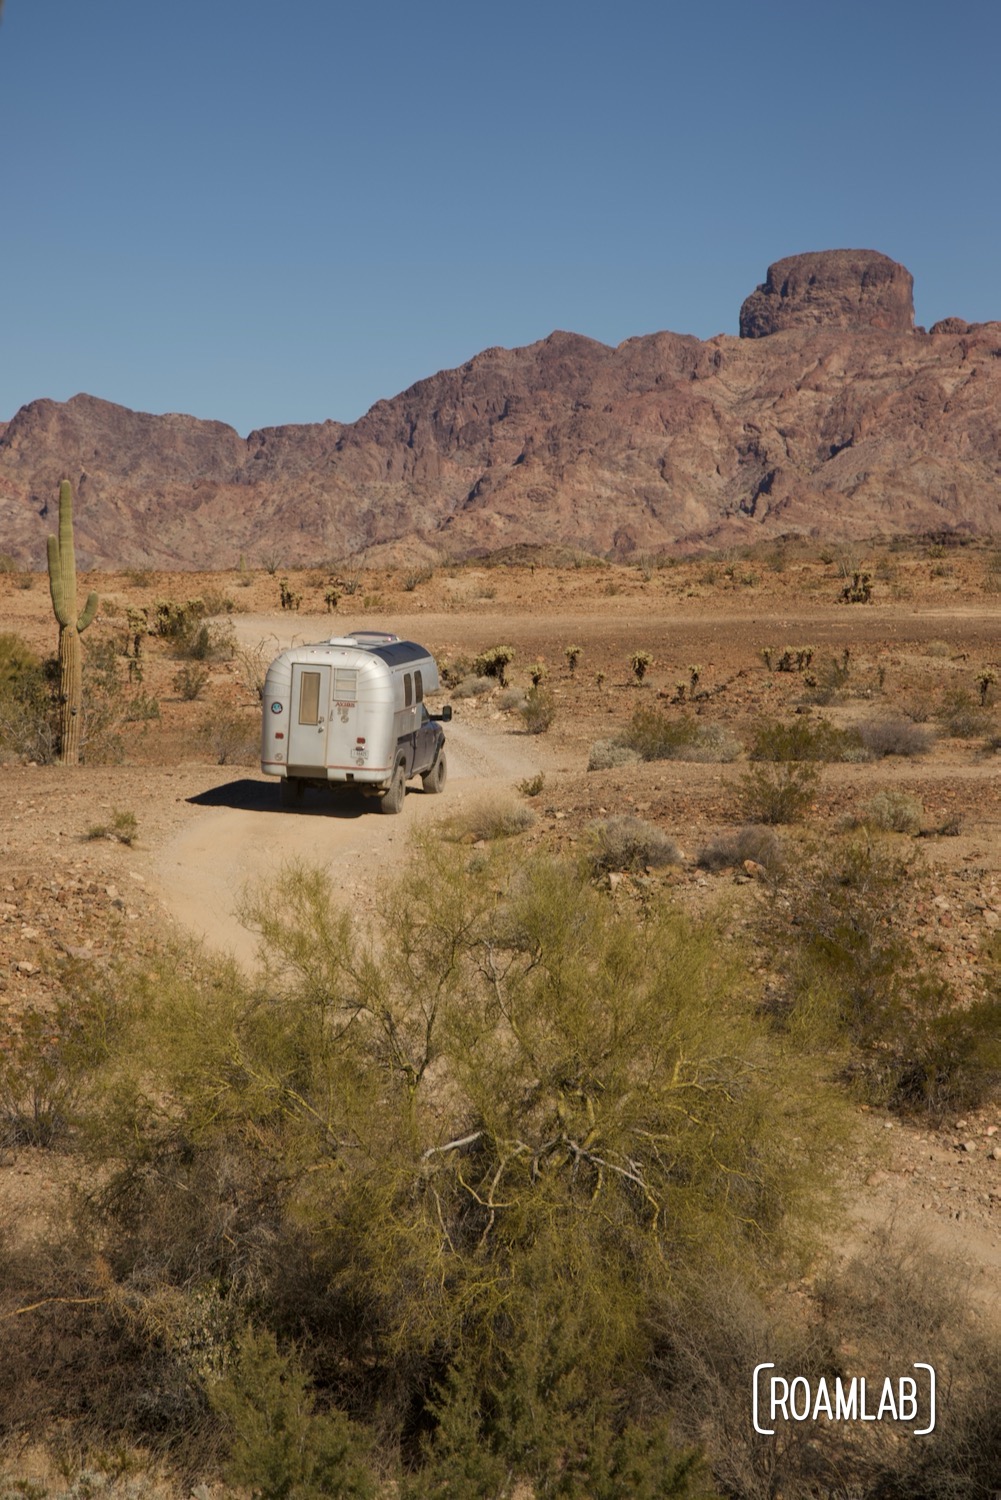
<point x="530" y="1088"/>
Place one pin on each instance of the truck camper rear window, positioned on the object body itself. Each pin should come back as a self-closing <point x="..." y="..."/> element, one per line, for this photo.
<point x="408" y="690"/>
<point x="419" y="686"/>
<point x="345" y="685"/>
<point x="309" y="698"/>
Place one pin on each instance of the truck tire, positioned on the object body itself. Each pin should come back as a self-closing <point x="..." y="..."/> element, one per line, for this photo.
<point x="392" y="801"/>
<point x="290" y="791"/>
<point x="434" y="781"/>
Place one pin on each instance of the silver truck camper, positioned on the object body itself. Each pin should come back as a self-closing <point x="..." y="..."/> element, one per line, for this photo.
<point x="351" y="711"/>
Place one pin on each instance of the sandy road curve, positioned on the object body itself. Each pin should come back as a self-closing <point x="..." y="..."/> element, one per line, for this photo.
<point x="242" y="837"/>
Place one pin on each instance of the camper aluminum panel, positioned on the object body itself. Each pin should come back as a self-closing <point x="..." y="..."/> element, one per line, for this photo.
<point x="338" y="710"/>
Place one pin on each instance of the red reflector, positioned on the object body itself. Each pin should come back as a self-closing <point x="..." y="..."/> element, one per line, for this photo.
<point x="280" y="734"/>
<point x="360" y="740"/>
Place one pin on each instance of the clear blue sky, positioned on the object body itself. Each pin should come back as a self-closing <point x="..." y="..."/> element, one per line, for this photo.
<point x="279" y="213"/>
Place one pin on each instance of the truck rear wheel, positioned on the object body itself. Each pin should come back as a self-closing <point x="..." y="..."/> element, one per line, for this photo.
<point x="392" y="801"/>
<point x="290" y="791"/>
<point x="434" y="781"/>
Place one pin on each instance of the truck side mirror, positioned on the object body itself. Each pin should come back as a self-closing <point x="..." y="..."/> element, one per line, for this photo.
<point x="446" y="714"/>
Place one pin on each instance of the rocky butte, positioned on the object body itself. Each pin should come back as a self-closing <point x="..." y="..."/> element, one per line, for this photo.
<point x="830" y="416"/>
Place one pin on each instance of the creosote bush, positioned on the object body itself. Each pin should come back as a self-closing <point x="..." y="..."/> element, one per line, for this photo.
<point x="778" y="793"/>
<point x="805" y="739"/>
<point x="538" y="710"/>
<point x="656" y="736"/>
<point x="439" y="1175"/>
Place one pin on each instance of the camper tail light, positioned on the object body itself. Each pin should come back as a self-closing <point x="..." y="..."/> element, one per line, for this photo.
<point x="360" y="740"/>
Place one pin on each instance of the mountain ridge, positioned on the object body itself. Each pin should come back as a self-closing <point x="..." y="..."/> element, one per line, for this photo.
<point x="831" y="416"/>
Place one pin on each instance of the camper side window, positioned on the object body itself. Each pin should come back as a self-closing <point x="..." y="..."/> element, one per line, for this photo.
<point x="418" y="687"/>
<point x="408" y="690"/>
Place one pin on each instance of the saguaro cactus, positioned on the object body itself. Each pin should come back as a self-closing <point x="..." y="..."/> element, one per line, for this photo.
<point x="62" y="585"/>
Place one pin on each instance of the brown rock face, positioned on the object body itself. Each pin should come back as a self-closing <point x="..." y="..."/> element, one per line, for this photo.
<point x="852" y="289"/>
<point x="840" y="428"/>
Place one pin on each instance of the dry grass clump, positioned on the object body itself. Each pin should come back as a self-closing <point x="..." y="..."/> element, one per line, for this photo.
<point x="472" y="687"/>
<point x="753" y="842"/>
<point x="896" y="736"/>
<point x="607" y="755"/>
<point x="889" y="812"/>
<point x="487" y="821"/>
<point x="629" y="843"/>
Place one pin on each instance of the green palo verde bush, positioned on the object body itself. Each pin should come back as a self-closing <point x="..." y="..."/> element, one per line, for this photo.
<point x="463" y="1159"/>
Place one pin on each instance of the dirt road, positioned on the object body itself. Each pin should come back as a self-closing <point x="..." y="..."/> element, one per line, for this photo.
<point x="243" y="837"/>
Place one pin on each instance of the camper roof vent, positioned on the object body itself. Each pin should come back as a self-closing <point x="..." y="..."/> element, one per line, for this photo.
<point x="370" y="638"/>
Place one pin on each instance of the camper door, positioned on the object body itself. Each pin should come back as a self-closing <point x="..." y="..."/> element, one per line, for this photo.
<point x="308" y="719"/>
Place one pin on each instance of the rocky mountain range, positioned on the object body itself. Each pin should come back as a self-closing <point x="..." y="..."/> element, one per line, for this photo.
<point x="831" y="415"/>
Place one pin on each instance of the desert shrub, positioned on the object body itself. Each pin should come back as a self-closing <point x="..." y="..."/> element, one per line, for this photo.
<point x="804" y="739"/>
<point x="606" y="755"/>
<point x="17" y="661"/>
<point x="416" y="577"/>
<point x="487" y="820"/>
<point x="123" y="828"/>
<point x="532" y="785"/>
<point x="460" y="1159"/>
<point x="712" y="744"/>
<point x="750" y="842"/>
<point x="538" y="711"/>
<point x="890" y="812"/>
<point x="454" y="669"/>
<point x="232" y="738"/>
<point x="856" y="979"/>
<point x="472" y="687"/>
<point x="280" y="1445"/>
<point x="213" y="641"/>
<point x="938" y="648"/>
<point x="510" y="698"/>
<point x="655" y="736"/>
<point x="43" y="1069"/>
<point x="778" y="793"/>
<point x="252" y="664"/>
<point x="828" y="683"/>
<point x="190" y="680"/>
<point x="494" y="662"/>
<point x="895" y="736"/>
<point x="961" y="717"/>
<point x="628" y="843"/>
<point x="28" y="713"/>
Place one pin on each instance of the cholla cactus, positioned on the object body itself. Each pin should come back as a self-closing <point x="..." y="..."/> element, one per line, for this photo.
<point x="639" y="661"/>
<point x="572" y="653"/>
<point x="62" y="586"/>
